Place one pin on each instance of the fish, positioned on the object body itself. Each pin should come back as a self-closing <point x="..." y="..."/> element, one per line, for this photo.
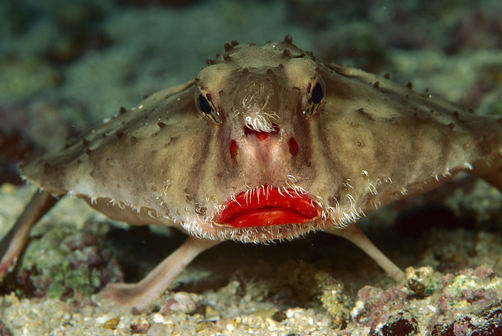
<point x="267" y="143"/>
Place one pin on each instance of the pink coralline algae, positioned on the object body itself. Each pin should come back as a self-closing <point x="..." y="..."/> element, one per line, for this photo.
<point x="469" y="303"/>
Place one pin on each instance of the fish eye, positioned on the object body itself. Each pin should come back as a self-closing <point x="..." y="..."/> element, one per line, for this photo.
<point x="205" y="107"/>
<point x="317" y="95"/>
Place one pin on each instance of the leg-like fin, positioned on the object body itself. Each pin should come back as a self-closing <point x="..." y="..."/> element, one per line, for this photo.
<point x="14" y="243"/>
<point x="141" y="294"/>
<point x="353" y="234"/>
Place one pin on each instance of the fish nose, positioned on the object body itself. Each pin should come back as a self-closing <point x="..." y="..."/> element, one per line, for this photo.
<point x="260" y="135"/>
<point x="259" y="143"/>
<point x="264" y="141"/>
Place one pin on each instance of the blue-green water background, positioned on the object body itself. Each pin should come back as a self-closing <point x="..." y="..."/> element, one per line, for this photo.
<point x="65" y="65"/>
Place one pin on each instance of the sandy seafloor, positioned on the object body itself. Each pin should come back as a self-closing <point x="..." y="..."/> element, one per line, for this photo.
<point x="65" y="65"/>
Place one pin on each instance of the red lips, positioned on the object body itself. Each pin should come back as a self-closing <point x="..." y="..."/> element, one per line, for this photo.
<point x="266" y="207"/>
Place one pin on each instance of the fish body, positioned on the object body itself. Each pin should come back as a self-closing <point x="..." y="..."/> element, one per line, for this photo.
<point x="266" y="143"/>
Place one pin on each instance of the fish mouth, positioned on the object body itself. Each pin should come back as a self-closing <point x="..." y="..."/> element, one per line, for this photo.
<point x="266" y="207"/>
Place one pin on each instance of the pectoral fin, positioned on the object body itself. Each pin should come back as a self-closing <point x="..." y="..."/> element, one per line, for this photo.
<point x="353" y="234"/>
<point x="14" y="243"/>
<point x="141" y="294"/>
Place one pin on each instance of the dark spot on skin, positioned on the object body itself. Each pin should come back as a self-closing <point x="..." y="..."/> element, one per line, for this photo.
<point x="161" y="124"/>
<point x="377" y="84"/>
<point x="387" y="76"/>
<point x="286" y="53"/>
<point x="333" y="201"/>
<point x="79" y="161"/>
<point x="145" y="96"/>
<point x="134" y="139"/>
<point x="392" y="121"/>
<point x="365" y="114"/>
<point x="85" y="142"/>
<point x="119" y="134"/>
<point x="409" y="85"/>
<point x="456" y="115"/>
<point x="200" y="209"/>
<point x="122" y="110"/>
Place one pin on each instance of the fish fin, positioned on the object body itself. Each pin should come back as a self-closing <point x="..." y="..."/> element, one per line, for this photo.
<point x="15" y="242"/>
<point x="353" y="234"/>
<point x="143" y="293"/>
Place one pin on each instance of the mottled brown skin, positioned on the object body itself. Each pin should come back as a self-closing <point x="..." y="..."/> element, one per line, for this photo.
<point x="171" y="161"/>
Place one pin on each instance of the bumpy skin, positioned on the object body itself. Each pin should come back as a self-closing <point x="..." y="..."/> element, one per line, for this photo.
<point x="349" y="141"/>
<point x="365" y="147"/>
